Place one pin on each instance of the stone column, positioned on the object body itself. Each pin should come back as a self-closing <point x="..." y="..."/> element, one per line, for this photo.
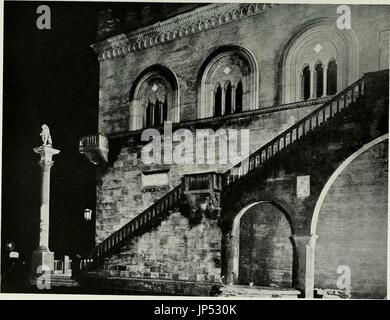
<point x="232" y="247"/>
<point x="42" y="255"/>
<point x="233" y="99"/>
<point x="223" y="101"/>
<point x="305" y="246"/>
<point x="312" y="82"/>
<point x="66" y="265"/>
<point x="325" y="80"/>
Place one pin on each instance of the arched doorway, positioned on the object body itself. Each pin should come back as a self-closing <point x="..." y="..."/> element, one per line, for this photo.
<point x="263" y="253"/>
<point x="350" y="221"/>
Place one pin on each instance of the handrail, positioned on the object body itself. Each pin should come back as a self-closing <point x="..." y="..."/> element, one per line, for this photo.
<point x="158" y="208"/>
<point x="293" y="133"/>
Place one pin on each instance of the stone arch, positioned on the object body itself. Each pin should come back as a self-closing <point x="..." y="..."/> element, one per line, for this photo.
<point x="239" y="64"/>
<point x="267" y="273"/>
<point x="353" y="247"/>
<point x="318" y="40"/>
<point x="167" y="85"/>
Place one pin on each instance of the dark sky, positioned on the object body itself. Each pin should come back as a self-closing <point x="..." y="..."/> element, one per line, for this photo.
<point x="50" y="76"/>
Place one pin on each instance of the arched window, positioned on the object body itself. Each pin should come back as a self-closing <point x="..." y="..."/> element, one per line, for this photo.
<point x="319" y="80"/>
<point x="218" y="101"/>
<point x="239" y="97"/>
<point x="331" y="88"/>
<point x="316" y="42"/>
<point x="154" y="98"/>
<point x="228" y="99"/>
<point x="305" y="83"/>
<point x="228" y="66"/>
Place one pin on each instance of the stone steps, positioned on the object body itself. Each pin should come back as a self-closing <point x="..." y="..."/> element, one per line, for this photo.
<point x="59" y="281"/>
<point x="258" y="292"/>
<point x="63" y="281"/>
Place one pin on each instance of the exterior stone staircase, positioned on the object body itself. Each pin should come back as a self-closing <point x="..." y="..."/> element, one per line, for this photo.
<point x="157" y="212"/>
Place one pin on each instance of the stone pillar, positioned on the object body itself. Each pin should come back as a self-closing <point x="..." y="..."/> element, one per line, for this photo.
<point x="305" y="246"/>
<point x="223" y="101"/>
<point x="66" y="265"/>
<point x="231" y="244"/>
<point x="233" y="99"/>
<point x="312" y="82"/>
<point x="136" y="115"/>
<point x="325" y="80"/>
<point x="42" y="255"/>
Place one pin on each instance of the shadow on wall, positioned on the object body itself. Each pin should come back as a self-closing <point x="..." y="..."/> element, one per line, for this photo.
<point x="352" y="227"/>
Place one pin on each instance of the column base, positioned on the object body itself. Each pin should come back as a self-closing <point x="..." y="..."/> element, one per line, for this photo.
<point x="43" y="259"/>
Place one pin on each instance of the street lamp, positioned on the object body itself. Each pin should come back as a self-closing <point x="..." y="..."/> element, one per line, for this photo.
<point x="87" y="214"/>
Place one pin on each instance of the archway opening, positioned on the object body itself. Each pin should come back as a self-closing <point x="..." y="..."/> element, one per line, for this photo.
<point x="239" y="97"/>
<point x="218" y="101"/>
<point x="351" y="248"/>
<point x="319" y="71"/>
<point x="266" y="255"/>
<point x="332" y="77"/>
<point x="305" y="83"/>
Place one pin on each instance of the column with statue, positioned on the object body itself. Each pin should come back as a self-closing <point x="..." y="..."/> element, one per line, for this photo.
<point x="42" y="257"/>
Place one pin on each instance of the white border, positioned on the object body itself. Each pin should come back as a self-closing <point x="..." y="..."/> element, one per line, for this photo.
<point x="7" y="296"/>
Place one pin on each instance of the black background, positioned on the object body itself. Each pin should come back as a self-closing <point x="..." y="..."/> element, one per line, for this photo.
<point x="52" y="77"/>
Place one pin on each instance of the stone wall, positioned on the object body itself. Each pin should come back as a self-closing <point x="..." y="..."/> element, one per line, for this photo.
<point x="266" y="250"/>
<point x="352" y="226"/>
<point x="175" y="250"/>
<point x="265" y="35"/>
<point x="120" y="195"/>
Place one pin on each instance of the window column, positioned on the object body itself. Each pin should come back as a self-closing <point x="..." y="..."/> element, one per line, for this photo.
<point x="325" y="81"/>
<point x="223" y="100"/>
<point x="233" y="99"/>
<point x="312" y="82"/>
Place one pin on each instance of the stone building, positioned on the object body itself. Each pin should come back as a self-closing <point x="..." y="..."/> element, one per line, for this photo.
<point x="307" y="210"/>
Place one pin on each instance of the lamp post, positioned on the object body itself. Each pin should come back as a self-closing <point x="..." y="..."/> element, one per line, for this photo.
<point x="89" y="227"/>
<point x="87" y="214"/>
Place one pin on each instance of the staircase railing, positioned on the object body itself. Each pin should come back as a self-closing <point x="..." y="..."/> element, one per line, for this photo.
<point x="330" y="108"/>
<point x="315" y="119"/>
<point x="157" y="209"/>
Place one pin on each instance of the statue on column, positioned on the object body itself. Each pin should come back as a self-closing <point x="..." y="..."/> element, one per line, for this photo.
<point x="45" y="136"/>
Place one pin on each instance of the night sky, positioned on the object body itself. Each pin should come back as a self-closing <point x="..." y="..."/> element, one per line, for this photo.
<point x="50" y="76"/>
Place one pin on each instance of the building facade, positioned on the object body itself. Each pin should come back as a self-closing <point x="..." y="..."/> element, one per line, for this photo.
<point x="308" y="206"/>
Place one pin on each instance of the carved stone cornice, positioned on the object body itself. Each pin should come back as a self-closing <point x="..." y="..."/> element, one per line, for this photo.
<point x="198" y="20"/>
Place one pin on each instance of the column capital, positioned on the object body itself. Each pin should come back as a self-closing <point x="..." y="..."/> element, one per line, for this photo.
<point x="305" y="239"/>
<point x="46" y="152"/>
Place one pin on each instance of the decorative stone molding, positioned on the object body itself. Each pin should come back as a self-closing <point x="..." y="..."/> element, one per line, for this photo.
<point x="318" y="42"/>
<point x="198" y="20"/>
<point x="243" y="69"/>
